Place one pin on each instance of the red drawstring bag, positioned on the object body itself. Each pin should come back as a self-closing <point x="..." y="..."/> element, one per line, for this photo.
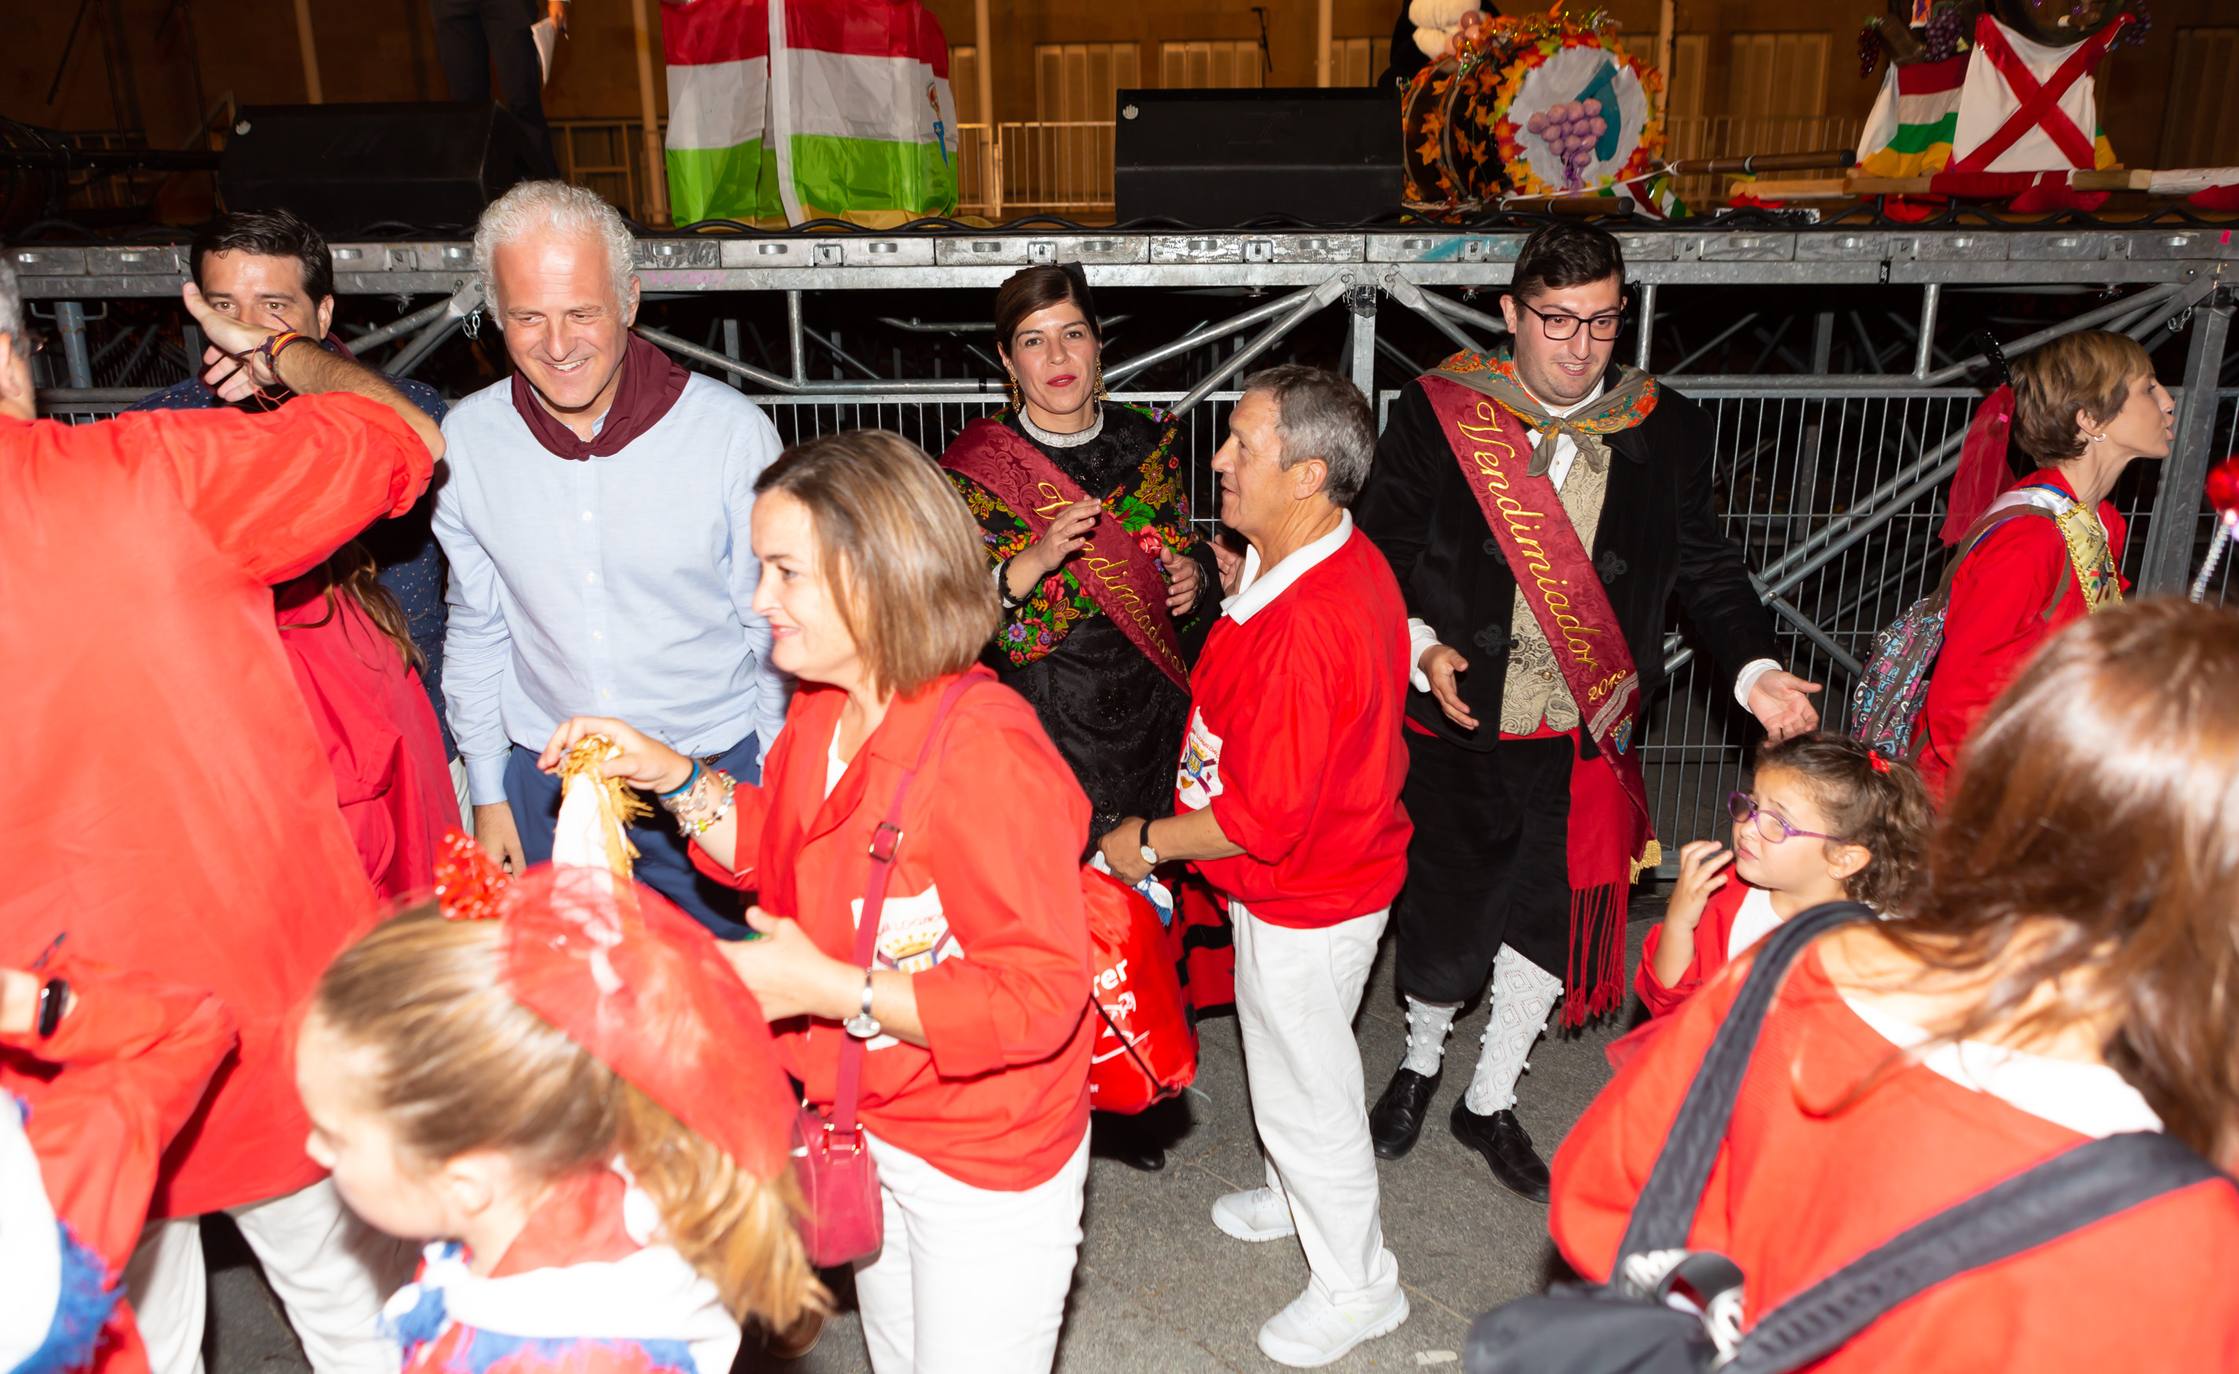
<point x="1146" y="1046"/>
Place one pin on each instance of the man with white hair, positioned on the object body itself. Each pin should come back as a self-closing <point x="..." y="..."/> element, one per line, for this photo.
<point x="1308" y="663"/>
<point x="595" y="520"/>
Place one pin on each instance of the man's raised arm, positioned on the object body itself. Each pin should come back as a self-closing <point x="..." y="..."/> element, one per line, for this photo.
<point x="245" y="356"/>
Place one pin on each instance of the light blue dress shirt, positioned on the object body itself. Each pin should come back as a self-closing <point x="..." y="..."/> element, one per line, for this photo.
<point x="617" y="586"/>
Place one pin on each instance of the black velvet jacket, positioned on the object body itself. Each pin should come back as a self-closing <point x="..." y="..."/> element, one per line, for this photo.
<point x="1659" y="532"/>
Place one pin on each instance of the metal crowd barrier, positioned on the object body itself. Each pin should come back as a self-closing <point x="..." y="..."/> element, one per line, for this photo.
<point x="1832" y="484"/>
<point x="1792" y="466"/>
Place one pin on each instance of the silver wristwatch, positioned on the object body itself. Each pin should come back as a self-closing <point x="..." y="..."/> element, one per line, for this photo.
<point x="863" y="1025"/>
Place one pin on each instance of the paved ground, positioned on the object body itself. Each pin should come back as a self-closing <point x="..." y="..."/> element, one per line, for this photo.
<point x="1158" y="1287"/>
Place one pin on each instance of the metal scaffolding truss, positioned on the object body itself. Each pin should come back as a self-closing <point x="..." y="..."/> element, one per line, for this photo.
<point x="1832" y="484"/>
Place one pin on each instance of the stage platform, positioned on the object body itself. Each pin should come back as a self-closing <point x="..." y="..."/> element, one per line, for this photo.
<point x="1772" y="254"/>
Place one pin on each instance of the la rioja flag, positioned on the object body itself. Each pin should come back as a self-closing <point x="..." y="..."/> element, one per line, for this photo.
<point x="789" y="110"/>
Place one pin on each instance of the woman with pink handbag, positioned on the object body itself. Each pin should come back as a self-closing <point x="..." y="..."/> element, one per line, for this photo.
<point x="923" y="954"/>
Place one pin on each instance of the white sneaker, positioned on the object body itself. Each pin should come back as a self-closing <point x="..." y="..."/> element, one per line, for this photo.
<point x="1255" y="1214"/>
<point x="1315" y="1331"/>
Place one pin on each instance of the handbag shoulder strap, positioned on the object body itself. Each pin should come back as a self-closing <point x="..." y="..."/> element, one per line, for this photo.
<point x="886" y="841"/>
<point x="1665" y="1211"/>
<point x="2070" y="1191"/>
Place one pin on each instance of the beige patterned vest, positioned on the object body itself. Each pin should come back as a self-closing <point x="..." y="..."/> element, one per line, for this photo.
<point x="1534" y="691"/>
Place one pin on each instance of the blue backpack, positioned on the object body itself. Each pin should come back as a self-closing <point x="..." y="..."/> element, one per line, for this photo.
<point x="1885" y="705"/>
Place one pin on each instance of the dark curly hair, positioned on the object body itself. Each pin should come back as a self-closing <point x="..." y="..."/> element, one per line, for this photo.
<point x="1880" y="806"/>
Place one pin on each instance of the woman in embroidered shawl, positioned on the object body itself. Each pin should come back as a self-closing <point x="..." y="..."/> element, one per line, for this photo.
<point x="2083" y="407"/>
<point x="1114" y="713"/>
<point x="1113" y="696"/>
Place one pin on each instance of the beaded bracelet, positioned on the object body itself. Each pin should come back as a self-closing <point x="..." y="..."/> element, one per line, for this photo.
<point x="698" y="821"/>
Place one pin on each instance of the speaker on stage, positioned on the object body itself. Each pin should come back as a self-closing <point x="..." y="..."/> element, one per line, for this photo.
<point x="1221" y="159"/>
<point x="346" y="168"/>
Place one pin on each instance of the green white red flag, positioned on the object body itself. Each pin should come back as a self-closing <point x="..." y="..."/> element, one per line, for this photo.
<point x="790" y="110"/>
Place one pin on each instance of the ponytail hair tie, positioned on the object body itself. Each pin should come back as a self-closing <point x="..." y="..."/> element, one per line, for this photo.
<point x="1880" y="764"/>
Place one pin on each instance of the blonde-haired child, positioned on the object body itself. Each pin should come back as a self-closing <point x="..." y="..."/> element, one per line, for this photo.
<point x="578" y="1105"/>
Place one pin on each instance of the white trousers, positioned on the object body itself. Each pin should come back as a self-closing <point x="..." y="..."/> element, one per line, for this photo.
<point x="331" y="1271"/>
<point x="970" y="1279"/>
<point x="1296" y="993"/>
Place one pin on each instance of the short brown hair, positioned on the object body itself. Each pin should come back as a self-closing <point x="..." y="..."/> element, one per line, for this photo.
<point x="2091" y="845"/>
<point x="905" y="557"/>
<point x="2091" y="371"/>
<point x="1880" y="806"/>
<point x="1565" y="254"/>
<point x="459" y="1065"/>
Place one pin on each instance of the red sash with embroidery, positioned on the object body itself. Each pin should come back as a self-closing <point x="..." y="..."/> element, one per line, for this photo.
<point x="1559" y="583"/>
<point x="1120" y="575"/>
<point x="1560" y="586"/>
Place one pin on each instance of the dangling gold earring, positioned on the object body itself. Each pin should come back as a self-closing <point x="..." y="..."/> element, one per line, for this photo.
<point x="1010" y="386"/>
<point x="1101" y="393"/>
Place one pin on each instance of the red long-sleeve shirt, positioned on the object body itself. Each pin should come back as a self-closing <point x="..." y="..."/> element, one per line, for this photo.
<point x="174" y="811"/>
<point x="134" y="1056"/>
<point x="379" y="735"/>
<point x="984" y="911"/>
<point x="1996" y="620"/>
<point x="1801" y="1188"/>
<point x="1713" y="933"/>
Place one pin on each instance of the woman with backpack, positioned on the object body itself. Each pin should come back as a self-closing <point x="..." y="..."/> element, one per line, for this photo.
<point x="938" y="996"/>
<point x="2046" y="550"/>
<point x="2066" y="975"/>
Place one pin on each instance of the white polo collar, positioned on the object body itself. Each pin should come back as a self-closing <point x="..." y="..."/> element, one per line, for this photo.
<point x="1254" y="592"/>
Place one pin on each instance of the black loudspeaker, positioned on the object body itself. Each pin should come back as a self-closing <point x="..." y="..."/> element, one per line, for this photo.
<point x="346" y="168"/>
<point x="1224" y="159"/>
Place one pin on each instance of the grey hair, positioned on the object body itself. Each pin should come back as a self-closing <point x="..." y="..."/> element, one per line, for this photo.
<point x="1319" y="414"/>
<point x="11" y="304"/>
<point x="536" y="205"/>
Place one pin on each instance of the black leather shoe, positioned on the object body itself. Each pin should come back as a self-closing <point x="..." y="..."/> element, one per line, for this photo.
<point x="1397" y="1117"/>
<point x="1501" y="1139"/>
<point x="1123" y="1141"/>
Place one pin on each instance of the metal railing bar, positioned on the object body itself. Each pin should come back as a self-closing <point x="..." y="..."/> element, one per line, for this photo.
<point x="398" y="328"/>
<point x="1319" y="297"/>
<point x="1204" y="334"/>
<point x="421" y="346"/>
<point x="962" y="386"/>
<point x="1716" y="339"/>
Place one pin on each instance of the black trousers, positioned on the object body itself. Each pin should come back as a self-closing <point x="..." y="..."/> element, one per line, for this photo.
<point x="471" y="37"/>
<point x="1487" y="866"/>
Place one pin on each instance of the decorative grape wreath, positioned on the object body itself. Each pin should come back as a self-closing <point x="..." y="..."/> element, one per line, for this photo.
<point x="1577" y="114"/>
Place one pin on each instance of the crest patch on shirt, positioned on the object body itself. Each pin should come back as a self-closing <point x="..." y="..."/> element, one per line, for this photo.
<point x="913" y="937"/>
<point x="1198" y="779"/>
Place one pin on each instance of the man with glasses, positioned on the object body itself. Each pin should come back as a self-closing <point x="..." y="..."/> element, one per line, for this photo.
<point x="1539" y="508"/>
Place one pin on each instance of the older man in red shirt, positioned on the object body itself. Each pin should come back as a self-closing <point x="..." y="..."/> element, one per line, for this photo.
<point x="172" y="810"/>
<point x="1288" y="803"/>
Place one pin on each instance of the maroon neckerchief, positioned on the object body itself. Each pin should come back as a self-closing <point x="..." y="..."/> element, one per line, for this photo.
<point x="1118" y="573"/>
<point x="651" y="382"/>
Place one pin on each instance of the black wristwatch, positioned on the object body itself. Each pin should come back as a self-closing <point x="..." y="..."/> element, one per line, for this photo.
<point x="1150" y="855"/>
